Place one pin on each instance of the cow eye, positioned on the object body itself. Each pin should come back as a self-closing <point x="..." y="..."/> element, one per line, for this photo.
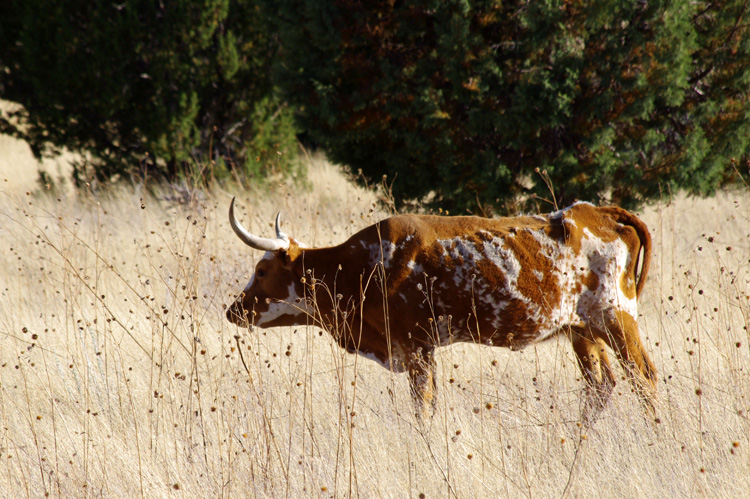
<point x="261" y="273"/>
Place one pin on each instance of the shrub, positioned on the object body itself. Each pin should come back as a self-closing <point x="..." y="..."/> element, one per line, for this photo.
<point x="155" y="86"/>
<point x="459" y="102"/>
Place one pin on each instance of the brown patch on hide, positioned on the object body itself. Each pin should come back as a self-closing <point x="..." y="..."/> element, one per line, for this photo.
<point x="534" y="262"/>
<point x="590" y="280"/>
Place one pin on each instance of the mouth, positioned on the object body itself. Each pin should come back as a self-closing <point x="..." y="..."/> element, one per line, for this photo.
<point x="239" y="316"/>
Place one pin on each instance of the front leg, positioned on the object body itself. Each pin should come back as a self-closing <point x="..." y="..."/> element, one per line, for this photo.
<point x="421" y="367"/>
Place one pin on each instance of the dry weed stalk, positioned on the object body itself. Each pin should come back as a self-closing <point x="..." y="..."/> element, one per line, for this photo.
<point x="119" y="375"/>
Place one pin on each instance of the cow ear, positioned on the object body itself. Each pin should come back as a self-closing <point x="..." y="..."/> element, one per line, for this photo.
<point x="286" y="258"/>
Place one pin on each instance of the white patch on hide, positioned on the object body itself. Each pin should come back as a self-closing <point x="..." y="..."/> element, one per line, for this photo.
<point x="292" y="304"/>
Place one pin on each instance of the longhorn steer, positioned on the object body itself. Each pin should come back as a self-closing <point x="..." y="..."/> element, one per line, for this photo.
<point x="402" y="287"/>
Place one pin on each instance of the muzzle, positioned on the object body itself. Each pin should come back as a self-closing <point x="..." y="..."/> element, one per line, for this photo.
<point x="236" y="314"/>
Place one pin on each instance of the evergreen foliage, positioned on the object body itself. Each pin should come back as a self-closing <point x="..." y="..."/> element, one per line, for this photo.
<point x="461" y="101"/>
<point x="160" y="86"/>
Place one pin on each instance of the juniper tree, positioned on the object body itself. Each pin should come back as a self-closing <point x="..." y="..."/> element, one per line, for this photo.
<point x="164" y="85"/>
<point x="460" y="102"/>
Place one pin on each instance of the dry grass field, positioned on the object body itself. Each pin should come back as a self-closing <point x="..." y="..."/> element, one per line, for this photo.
<point x="120" y="376"/>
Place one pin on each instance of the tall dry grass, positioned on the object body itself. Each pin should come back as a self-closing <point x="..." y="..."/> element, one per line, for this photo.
<point x="120" y="377"/>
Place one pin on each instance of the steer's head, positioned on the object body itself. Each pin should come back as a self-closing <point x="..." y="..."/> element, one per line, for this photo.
<point x="275" y="294"/>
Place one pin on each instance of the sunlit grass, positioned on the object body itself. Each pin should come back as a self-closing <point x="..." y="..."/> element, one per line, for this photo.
<point x="120" y="376"/>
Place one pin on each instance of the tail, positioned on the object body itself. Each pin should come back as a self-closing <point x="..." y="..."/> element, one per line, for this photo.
<point x="626" y="218"/>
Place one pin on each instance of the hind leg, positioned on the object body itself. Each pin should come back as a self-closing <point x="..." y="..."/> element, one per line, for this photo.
<point x="622" y="336"/>
<point x="594" y="364"/>
<point x="421" y="369"/>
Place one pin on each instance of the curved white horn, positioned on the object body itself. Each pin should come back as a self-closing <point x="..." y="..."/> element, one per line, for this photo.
<point x="256" y="242"/>
<point x="279" y="234"/>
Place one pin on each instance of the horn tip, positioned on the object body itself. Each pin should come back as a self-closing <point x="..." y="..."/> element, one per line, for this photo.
<point x="231" y="211"/>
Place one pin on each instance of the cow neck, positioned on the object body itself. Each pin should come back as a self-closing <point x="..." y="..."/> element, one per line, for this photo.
<point x="332" y="266"/>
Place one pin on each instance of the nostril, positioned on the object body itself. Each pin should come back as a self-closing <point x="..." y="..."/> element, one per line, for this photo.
<point x="235" y="312"/>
